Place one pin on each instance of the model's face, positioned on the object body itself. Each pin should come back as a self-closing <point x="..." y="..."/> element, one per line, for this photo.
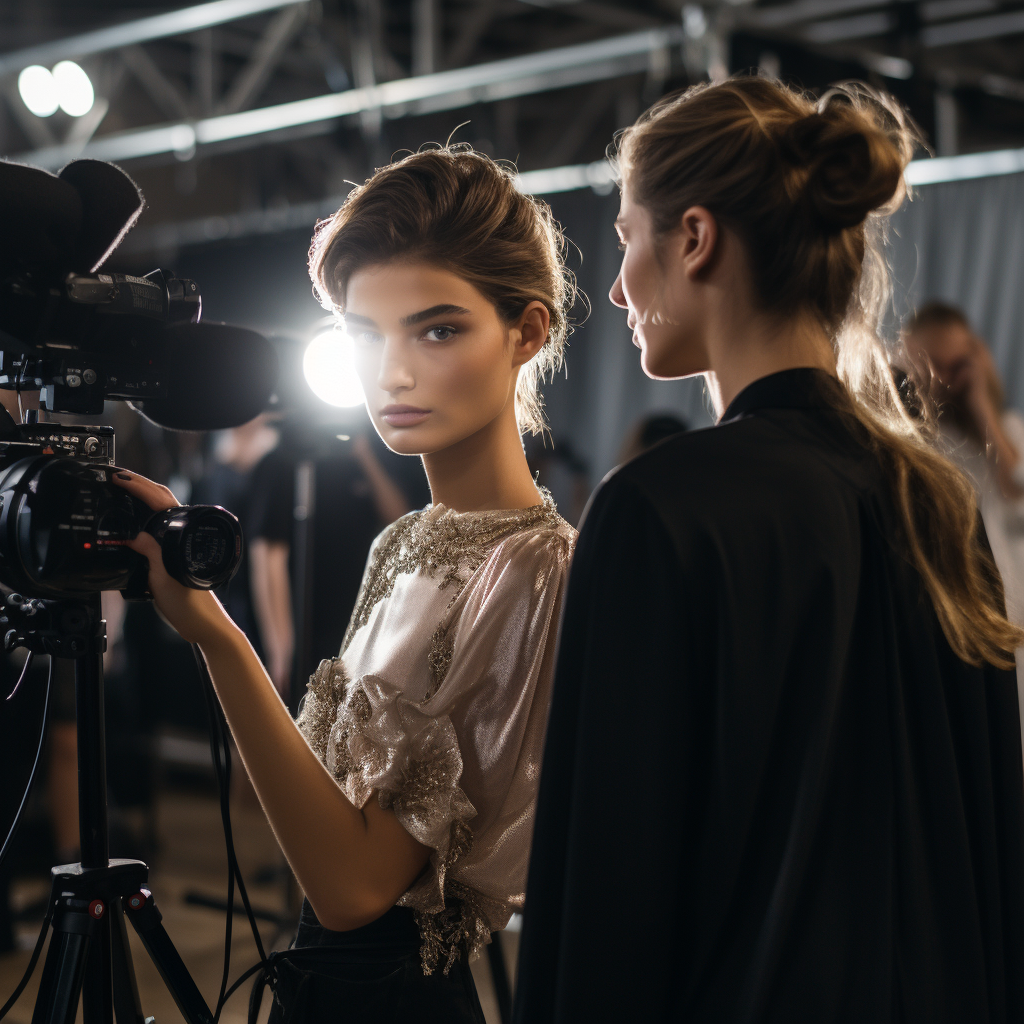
<point x="433" y="356"/>
<point x="657" y="294"/>
<point x="947" y="347"/>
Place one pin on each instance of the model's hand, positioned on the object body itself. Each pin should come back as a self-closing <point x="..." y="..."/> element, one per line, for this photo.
<point x="196" y="614"/>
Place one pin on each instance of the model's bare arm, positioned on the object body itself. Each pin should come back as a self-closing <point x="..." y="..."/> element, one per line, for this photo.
<point x="352" y="864"/>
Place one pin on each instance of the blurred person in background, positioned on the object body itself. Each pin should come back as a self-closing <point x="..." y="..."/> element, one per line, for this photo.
<point x="782" y="778"/>
<point x="649" y="431"/>
<point x="229" y="481"/>
<point x="978" y="432"/>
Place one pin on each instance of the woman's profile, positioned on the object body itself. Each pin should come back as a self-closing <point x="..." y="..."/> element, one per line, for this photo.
<point x="782" y="777"/>
<point x="403" y="797"/>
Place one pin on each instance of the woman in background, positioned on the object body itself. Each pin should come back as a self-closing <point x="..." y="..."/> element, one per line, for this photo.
<point x="782" y="779"/>
<point x="977" y="431"/>
<point x="403" y="798"/>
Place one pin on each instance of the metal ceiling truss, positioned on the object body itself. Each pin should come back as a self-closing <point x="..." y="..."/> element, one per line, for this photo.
<point x="224" y="76"/>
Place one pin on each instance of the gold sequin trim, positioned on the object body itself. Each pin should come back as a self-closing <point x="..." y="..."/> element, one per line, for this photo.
<point x="319" y="709"/>
<point x="448" y="546"/>
<point x="462" y="929"/>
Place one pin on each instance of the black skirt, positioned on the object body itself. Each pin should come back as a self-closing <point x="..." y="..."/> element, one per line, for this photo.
<point x="370" y="975"/>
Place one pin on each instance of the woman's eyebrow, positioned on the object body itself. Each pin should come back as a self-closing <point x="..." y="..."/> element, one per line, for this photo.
<point x="355" y="320"/>
<point x="445" y="309"/>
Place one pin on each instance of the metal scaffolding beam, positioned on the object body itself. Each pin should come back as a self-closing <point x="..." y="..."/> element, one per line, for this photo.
<point x="159" y="26"/>
<point x="445" y="90"/>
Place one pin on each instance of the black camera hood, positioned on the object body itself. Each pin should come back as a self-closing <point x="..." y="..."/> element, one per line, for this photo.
<point x="66" y="222"/>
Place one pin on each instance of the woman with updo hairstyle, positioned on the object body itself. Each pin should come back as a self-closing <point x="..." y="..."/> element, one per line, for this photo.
<point x="403" y="796"/>
<point x="782" y="778"/>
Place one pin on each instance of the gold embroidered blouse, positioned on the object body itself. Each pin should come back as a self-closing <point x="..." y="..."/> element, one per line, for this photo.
<point x="438" y="702"/>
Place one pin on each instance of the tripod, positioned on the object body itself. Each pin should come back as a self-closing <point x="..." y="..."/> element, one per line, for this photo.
<point x="89" y="957"/>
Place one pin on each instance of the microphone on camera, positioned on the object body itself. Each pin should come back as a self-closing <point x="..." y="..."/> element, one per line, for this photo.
<point x="217" y="376"/>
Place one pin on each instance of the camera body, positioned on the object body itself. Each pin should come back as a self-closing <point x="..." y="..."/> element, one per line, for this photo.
<point x="65" y="524"/>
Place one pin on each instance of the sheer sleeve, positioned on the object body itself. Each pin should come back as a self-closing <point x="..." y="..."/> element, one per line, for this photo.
<point x="460" y="767"/>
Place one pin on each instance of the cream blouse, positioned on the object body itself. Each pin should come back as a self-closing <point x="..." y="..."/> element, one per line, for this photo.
<point x="438" y="701"/>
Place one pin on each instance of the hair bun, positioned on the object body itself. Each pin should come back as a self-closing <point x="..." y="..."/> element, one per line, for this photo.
<point x="853" y="167"/>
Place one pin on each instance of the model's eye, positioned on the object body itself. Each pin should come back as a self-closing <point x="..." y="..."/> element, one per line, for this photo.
<point x="365" y="337"/>
<point x="440" y="333"/>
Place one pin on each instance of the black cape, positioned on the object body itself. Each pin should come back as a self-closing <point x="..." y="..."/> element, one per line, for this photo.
<point x="771" y="792"/>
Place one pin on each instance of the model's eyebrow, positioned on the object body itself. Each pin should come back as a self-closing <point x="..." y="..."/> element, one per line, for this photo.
<point x="355" y="320"/>
<point x="445" y="309"/>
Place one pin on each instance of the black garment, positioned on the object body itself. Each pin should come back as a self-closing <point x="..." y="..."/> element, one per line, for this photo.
<point x="371" y="975"/>
<point x="771" y="792"/>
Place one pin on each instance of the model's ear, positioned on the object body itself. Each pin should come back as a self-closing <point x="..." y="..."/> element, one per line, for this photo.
<point x="695" y="241"/>
<point x="529" y="332"/>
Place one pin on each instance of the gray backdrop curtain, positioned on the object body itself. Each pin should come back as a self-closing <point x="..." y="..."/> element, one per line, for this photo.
<point x="959" y="241"/>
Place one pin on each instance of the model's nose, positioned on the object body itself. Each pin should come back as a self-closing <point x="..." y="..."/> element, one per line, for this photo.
<point x="616" y="295"/>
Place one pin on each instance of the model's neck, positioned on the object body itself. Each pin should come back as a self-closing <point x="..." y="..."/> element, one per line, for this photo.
<point x="487" y="470"/>
<point x="742" y="349"/>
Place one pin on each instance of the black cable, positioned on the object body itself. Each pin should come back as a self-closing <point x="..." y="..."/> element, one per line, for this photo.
<point x="24" y="672"/>
<point x="14" y="828"/>
<point x="35" y="764"/>
<point x="32" y="962"/>
<point x="220" y="750"/>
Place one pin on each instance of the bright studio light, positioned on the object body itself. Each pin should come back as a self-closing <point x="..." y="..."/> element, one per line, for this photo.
<point x="38" y="90"/>
<point x="74" y="90"/>
<point x="329" y="367"/>
<point x="67" y="87"/>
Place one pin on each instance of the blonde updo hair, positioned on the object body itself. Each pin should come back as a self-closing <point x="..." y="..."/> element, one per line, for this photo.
<point x="807" y="184"/>
<point x="459" y="210"/>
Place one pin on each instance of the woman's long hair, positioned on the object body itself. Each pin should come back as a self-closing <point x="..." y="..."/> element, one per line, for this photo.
<point x="808" y="186"/>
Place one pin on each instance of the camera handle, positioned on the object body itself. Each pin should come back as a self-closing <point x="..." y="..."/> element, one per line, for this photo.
<point x="89" y="957"/>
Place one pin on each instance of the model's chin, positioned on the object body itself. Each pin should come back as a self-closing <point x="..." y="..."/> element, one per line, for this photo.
<point x="405" y="440"/>
<point x="671" y="367"/>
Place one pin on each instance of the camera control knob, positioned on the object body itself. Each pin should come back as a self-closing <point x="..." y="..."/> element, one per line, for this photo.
<point x="92" y="444"/>
<point x="73" y="380"/>
<point x="89" y="376"/>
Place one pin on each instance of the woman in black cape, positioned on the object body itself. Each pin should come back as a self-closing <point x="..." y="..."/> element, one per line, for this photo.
<point x="782" y="777"/>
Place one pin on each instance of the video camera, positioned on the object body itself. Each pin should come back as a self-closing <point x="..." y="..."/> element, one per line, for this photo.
<point x="78" y="338"/>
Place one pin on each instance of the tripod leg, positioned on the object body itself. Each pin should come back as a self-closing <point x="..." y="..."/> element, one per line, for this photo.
<point x="63" y="974"/>
<point x="127" y="1004"/>
<point x="145" y="919"/>
<point x="97" y="994"/>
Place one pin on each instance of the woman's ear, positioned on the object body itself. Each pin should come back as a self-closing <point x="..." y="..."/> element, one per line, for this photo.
<point x="529" y="332"/>
<point x="695" y="241"/>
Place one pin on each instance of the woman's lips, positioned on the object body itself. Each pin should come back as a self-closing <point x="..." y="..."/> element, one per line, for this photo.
<point x="403" y="415"/>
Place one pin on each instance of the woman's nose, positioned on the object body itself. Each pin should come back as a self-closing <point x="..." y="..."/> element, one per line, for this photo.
<point x="615" y="294"/>
<point x="394" y="373"/>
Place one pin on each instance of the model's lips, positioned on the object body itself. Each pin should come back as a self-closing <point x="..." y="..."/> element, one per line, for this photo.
<point x="403" y="415"/>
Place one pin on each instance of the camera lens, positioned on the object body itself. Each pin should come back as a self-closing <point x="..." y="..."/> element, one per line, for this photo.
<point x="201" y="544"/>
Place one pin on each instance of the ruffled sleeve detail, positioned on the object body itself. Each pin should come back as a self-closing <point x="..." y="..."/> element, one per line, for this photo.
<point x="382" y="742"/>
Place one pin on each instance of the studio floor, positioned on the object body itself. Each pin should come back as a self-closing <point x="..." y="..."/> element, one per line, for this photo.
<point x="191" y="859"/>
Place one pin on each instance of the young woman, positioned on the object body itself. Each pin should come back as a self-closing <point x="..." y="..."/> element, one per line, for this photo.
<point x="980" y="434"/>
<point x="782" y="779"/>
<point x="404" y="796"/>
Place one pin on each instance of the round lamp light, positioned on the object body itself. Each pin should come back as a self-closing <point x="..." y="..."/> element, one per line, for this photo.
<point x="38" y="90"/>
<point x="75" y="93"/>
<point x="330" y="370"/>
